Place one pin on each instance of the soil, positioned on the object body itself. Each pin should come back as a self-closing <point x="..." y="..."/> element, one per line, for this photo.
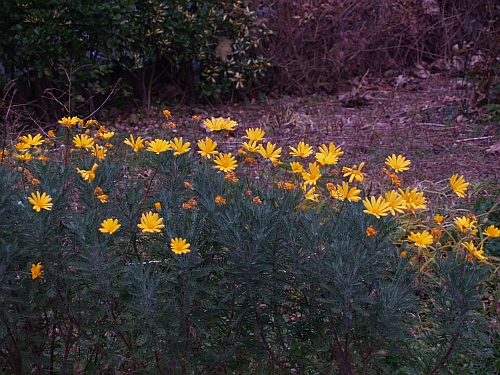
<point x="429" y="121"/>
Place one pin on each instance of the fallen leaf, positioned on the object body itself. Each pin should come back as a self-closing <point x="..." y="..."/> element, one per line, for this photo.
<point x="421" y="72"/>
<point x="494" y="148"/>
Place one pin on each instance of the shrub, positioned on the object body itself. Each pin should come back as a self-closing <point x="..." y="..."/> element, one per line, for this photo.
<point x="157" y="262"/>
<point x="204" y="47"/>
<point x="319" y="44"/>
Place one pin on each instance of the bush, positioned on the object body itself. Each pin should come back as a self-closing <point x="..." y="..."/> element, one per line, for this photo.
<point x="317" y="45"/>
<point x="157" y="262"/>
<point x="203" y="47"/>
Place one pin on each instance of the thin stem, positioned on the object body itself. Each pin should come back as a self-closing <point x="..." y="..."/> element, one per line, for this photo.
<point x="264" y="340"/>
<point x="66" y="151"/>
<point x="112" y="309"/>
<point x="4" y="140"/>
<point x="450" y="349"/>
<point x="52" y="344"/>
<point x="151" y="182"/>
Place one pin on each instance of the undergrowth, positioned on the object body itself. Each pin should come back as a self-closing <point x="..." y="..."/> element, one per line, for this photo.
<point x="151" y="257"/>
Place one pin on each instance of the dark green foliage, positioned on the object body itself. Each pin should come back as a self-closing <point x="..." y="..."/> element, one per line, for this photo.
<point x="267" y="286"/>
<point x="202" y="46"/>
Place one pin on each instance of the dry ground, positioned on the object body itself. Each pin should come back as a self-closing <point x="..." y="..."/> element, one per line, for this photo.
<point x="424" y="120"/>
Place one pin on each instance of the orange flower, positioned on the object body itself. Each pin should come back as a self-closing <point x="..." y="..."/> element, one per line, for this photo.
<point x="220" y="200"/>
<point x="370" y="231"/>
<point x="231" y="176"/>
<point x="190" y="204"/>
<point x="256" y="200"/>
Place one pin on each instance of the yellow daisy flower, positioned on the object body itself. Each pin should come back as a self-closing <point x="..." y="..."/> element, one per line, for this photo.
<point x="354" y="173"/>
<point x="179" y="246"/>
<point x="254" y="134"/>
<point x="88" y="175"/>
<point x="311" y="194"/>
<point x="179" y="147"/>
<point x="398" y="163"/>
<point x="229" y="124"/>
<point x="89" y="122"/>
<point x="22" y="146"/>
<point x="438" y="219"/>
<point x="137" y="144"/>
<point x="333" y="192"/>
<point x="151" y="223"/>
<point x="251" y="146"/>
<point x="36" y="271"/>
<point x="99" y="152"/>
<point x="24" y="157"/>
<point x="313" y="175"/>
<point x="459" y="185"/>
<point x="109" y="226"/>
<point x="297" y="167"/>
<point x="303" y="150"/>
<point x="69" y="122"/>
<point x="377" y="207"/>
<point x="344" y="192"/>
<point x="415" y="199"/>
<point x="83" y="141"/>
<point x="478" y="253"/>
<point x="40" y="202"/>
<point x="207" y="148"/>
<point x="225" y="162"/>
<point x="105" y="135"/>
<point x="215" y="124"/>
<point x="465" y="225"/>
<point x="396" y="202"/>
<point x="159" y="145"/>
<point x="270" y="152"/>
<point x="32" y="141"/>
<point x="492" y="232"/>
<point x="421" y="239"/>
<point x="328" y="155"/>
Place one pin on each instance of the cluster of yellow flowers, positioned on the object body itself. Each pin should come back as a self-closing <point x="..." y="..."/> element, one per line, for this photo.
<point x="99" y="151"/>
<point x="29" y="145"/>
<point x="310" y="175"/>
<point x="466" y="226"/>
<point x="326" y="155"/>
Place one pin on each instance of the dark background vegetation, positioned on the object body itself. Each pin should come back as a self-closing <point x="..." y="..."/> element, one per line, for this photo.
<point x="136" y="53"/>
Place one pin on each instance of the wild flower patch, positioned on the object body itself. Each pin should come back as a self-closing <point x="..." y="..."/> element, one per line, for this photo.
<point x="174" y="258"/>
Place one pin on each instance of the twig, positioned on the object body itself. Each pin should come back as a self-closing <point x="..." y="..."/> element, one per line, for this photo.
<point x="4" y="140"/>
<point x="431" y="124"/>
<point x="474" y="139"/>
<point x="107" y="98"/>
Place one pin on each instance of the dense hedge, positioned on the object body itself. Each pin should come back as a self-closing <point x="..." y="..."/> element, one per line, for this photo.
<point x="201" y="46"/>
<point x="172" y="51"/>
